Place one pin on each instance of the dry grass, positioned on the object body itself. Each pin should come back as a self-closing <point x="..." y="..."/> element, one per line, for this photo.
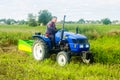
<point x="114" y="32"/>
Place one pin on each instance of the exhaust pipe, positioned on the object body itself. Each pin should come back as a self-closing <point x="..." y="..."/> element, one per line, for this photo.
<point x="77" y="30"/>
<point x="62" y="32"/>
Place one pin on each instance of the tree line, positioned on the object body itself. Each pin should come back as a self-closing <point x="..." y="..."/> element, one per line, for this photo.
<point x="105" y="21"/>
<point x="44" y="16"/>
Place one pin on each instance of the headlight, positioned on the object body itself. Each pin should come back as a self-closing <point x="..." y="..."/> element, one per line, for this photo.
<point x="87" y="46"/>
<point x="81" y="46"/>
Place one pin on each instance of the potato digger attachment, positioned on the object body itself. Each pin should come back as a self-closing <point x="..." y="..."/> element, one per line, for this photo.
<point x="25" y="45"/>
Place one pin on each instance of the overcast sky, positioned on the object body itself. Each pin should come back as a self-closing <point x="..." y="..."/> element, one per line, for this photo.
<point x="74" y="9"/>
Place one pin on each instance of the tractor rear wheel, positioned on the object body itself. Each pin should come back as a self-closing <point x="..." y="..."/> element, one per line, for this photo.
<point x="63" y="58"/>
<point x="40" y="50"/>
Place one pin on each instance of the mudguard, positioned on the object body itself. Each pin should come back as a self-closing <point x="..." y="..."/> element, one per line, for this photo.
<point x="44" y="38"/>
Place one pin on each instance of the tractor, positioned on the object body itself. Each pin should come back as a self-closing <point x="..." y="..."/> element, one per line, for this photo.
<point x="67" y="44"/>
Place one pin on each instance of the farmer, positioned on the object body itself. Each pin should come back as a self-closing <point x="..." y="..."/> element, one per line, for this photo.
<point x="51" y="29"/>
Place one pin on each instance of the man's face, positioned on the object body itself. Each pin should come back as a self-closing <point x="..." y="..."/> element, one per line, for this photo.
<point x="54" y="20"/>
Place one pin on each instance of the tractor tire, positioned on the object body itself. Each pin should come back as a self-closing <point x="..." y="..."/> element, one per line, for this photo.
<point x="87" y="58"/>
<point x="40" y="50"/>
<point x="63" y="58"/>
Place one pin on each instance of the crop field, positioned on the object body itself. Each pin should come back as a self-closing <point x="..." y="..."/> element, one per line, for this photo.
<point x="17" y="65"/>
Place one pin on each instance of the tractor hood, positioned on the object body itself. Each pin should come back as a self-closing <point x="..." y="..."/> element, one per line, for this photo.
<point x="74" y="36"/>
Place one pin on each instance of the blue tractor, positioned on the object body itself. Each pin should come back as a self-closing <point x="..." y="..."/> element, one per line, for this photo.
<point x="67" y="44"/>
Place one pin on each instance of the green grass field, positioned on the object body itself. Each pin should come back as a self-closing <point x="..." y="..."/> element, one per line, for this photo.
<point x="17" y="65"/>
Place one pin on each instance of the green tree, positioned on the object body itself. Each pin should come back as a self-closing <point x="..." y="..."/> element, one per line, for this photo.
<point x="21" y="22"/>
<point x="44" y="17"/>
<point x="8" y="21"/>
<point x="81" y="21"/>
<point x="106" y="21"/>
<point x="4" y="20"/>
<point x="32" y="20"/>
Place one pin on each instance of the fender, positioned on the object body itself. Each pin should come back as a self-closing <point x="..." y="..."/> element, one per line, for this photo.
<point x="44" y="38"/>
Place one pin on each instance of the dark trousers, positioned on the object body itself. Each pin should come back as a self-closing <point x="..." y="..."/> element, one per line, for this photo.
<point x="52" y="38"/>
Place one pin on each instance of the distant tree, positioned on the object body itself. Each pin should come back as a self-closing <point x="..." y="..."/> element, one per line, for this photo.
<point x="106" y="21"/>
<point x="3" y="21"/>
<point x="32" y="20"/>
<point x="81" y="21"/>
<point x="115" y="21"/>
<point x="98" y="22"/>
<point x="21" y="22"/>
<point x="69" y="22"/>
<point x="44" y="17"/>
<point x="8" y="21"/>
<point x="87" y="21"/>
<point x="92" y="22"/>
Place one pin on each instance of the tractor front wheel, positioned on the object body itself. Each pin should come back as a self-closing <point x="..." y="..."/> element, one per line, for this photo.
<point x="63" y="58"/>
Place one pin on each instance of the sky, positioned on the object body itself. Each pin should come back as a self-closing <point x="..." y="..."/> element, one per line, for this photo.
<point x="73" y="9"/>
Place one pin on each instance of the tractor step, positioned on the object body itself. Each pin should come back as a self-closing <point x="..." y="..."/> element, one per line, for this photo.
<point x="25" y="45"/>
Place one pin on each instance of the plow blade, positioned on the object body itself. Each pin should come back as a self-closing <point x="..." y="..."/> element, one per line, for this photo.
<point x="25" y="45"/>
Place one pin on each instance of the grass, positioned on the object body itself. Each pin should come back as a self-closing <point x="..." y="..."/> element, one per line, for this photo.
<point x="106" y="49"/>
<point x="22" y="67"/>
<point x="104" y="40"/>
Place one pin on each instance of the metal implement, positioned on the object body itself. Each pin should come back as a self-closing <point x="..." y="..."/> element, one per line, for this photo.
<point x="25" y="45"/>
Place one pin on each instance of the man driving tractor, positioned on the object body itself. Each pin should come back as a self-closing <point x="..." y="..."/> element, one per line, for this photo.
<point x="51" y="29"/>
